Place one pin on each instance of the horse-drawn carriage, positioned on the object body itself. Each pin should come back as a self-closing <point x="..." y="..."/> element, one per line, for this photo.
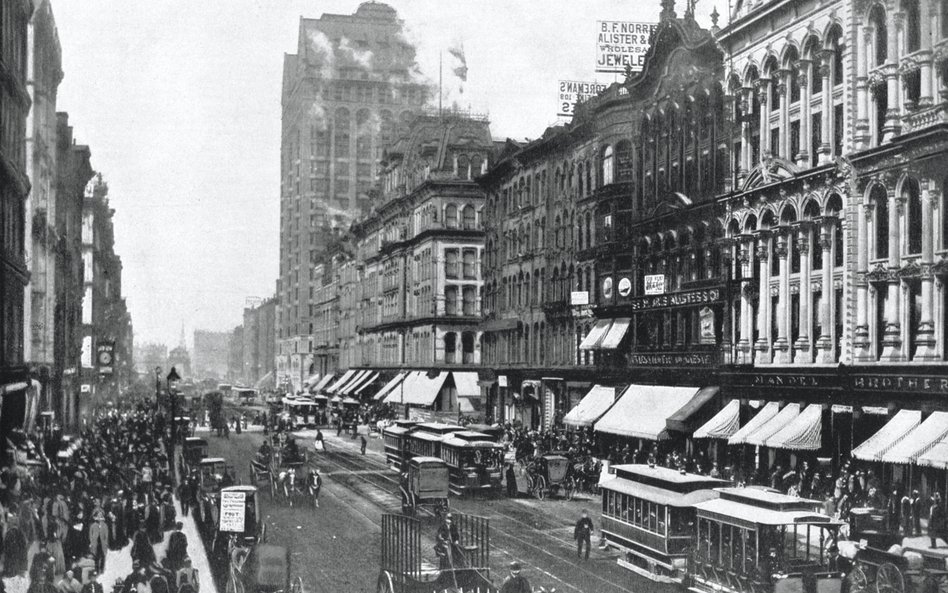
<point x="897" y="570"/>
<point x="405" y="569"/>
<point x="193" y="450"/>
<point x="425" y="483"/>
<point x="548" y="474"/>
<point x="213" y="474"/>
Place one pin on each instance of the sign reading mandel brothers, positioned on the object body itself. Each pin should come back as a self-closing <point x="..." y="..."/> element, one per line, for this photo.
<point x="621" y="45"/>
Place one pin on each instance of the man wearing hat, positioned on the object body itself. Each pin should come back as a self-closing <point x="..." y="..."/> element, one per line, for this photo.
<point x="582" y="533"/>
<point x="93" y="586"/>
<point x="187" y="575"/>
<point x="516" y="583"/>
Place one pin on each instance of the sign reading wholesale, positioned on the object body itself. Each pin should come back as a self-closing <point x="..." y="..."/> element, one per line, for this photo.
<point x="621" y="44"/>
<point x="573" y="91"/>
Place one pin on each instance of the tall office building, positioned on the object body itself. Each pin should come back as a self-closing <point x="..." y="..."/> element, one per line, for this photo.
<point x="351" y="85"/>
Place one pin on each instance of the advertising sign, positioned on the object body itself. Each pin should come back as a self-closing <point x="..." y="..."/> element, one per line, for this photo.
<point x="607" y="288"/>
<point x="502" y="380"/>
<point x="654" y="284"/>
<point x="105" y="357"/>
<point x="621" y="45"/>
<point x="625" y="287"/>
<point x="86" y="356"/>
<point x="579" y="297"/>
<point x="233" y="509"/>
<point x="706" y="326"/>
<point x="570" y="91"/>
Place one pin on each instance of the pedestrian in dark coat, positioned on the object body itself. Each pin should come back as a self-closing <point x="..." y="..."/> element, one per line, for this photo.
<point x="511" y="477"/>
<point x="916" y="513"/>
<point x="936" y="520"/>
<point x="363" y="444"/>
<point x="582" y="533"/>
<point x="142" y="550"/>
<point x="516" y="583"/>
<point x="76" y="544"/>
<point x="177" y="548"/>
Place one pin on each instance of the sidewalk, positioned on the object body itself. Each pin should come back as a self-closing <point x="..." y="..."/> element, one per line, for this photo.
<point x="118" y="564"/>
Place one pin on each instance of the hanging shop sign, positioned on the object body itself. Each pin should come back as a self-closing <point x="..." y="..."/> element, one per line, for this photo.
<point x="622" y="45"/>
<point x="501" y="380"/>
<point x="570" y="92"/>
<point x="579" y="297"/>
<point x="625" y="287"/>
<point x="607" y="288"/>
<point x="654" y="284"/>
<point x="706" y="334"/>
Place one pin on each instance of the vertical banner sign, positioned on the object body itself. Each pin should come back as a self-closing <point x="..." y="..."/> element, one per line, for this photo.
<point x="569" y="92"/>
<point x="233" y="509"/>
<point x="706" y="333"/>
<point x="621" y="45"/>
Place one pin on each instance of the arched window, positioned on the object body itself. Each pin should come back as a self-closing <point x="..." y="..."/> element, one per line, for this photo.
<point x="464" y="167"/>
<point x="913" y="223"/>
<point x="880" y="40"/>
<point x="450" y="347"/>
<point x="468" y="218"/>
<point x="880" y="202"/>
<point x="792" y="58"/>
<point x="913" y="25"/>
<point x="837" y="45"/>
<point x="477" y="165"/>
<point x="580" y="178"/>
<point x="589" y="177"/>
<point x="467" y="348"/>
<point x="608" y="166"/>
<point x="451" y="216"/>
<point x="770" y="71"/>
<point x="623" y="161"/>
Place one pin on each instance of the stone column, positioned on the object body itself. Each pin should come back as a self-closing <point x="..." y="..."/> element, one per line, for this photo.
<point x="783" y="91"/>
<point x="804" y="77"/>
<point x="861" y="53"/>
<point x="745" y="344"/>
<point x="893" y="111"/>
<point x="782" y="353"/>
<point x="862" y="342"/>
<point x="826" y="138"/>
<point x="925" y="338"/>
<point x="746" y="156"/>
<point x="763" y="96"/>
<point x="824" y="344"/>
<point x="803" y="353"/>
<point x="925" y="53"/>
<point x="762" y="346"/>
<point x="892" y="338"/>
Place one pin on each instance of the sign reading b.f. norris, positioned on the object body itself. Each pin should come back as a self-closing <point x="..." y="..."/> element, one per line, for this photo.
<point x="569" y="92"/>
<point x="621" y="44"/>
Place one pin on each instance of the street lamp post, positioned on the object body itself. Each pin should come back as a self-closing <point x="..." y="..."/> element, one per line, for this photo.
<point x="157" y="387"/>
<point x="173" y="379"/>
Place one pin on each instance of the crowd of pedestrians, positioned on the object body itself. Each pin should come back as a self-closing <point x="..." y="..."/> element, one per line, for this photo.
<point x="65" y="504"/>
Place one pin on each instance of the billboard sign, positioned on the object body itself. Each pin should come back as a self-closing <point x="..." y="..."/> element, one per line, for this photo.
<point x="579" y="297"/>
<point x="654" y="284"/>
<point x="569" y="92"/>
<point x="621" y="45"/>
<point x="233" y="511"/>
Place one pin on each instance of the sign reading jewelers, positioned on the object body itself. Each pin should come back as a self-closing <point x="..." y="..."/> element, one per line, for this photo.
<point x="621" y="45"/>
<point x="688" y="298"/>
<point x="570" y="92"/>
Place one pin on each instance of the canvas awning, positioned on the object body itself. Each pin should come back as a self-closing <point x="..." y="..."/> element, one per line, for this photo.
<point x="268" y="378"/>
<point x="311" y="380"/>
<point x="643" y="410"/>
<point x="615" y="334"/>
<point x="724" y="424"/>
<point x="679" y="420"/>
<point x="321" y="383"/>
<point x="762" y="417"/>
<point x="422" y="390"/>
<point x="937" y="456"/>
<point x="469" y="405"/>
<point x="775" y="424"/>
<point x="591" y="408"/>
<point x="900" y="425"/>
<point x="369" y="380"/>
<point x="392" y="383"/>
<point x="342" y="380"/>
<point x="596" y="335"/>
<point x="355" y="382"/>
<point x="466" y="383"/>
<point x="803" y="433"/>
<point x="920" y="440"/>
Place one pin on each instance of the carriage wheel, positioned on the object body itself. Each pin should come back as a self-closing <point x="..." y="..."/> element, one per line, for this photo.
<point x="889" y="579"/>
<point x="385" y="584"/>
<point x="858" y="581"/>
<point x="296" y="585"/>
<point x="539" y="488"/>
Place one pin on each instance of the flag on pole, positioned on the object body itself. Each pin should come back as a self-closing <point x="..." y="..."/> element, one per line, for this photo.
<point x="460" y="70"/>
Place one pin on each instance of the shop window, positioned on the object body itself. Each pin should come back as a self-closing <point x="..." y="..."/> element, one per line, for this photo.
<point x="470" y="301"/>
<point x="451" y="263"/>
<point x="468" y="218"/>
<point x="467" y="347"/>
<point x="450" y="300"/>
<point x="451" y="216"/>
<point x="450" y="347"/>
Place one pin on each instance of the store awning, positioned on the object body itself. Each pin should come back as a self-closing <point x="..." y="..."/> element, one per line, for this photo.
<point x="803" y="433"/>
<point x="342" y="380"/>
<point x="368" y="381"/>
<point x="591" y="408"/>
<point x="920" y="440"/>
<point x="355" y="382"/>
<point x="643" y="410"/>
<point x="422" y="390"/>
<point x="784" y="417"/>
<point x="499" y="325"/>
<point x="596" y="335"/>
<point x="311" y="380"/>
<point x="615" y="334"/>
<point x="893" y="431"/>
<point x="466" y="383"/>
<point x="679" y="420"/>
<point x="321" y="383"/>
<point x="392" y="383"/>
<point x="937" y="456"/>
<point x="268" y="378"/>
<point x="724" y="424"/>
<point x="762" y="417"/>
<point x="469" y="405"/>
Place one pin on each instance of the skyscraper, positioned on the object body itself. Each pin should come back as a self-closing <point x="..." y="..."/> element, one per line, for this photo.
<point x="346" y="91"/>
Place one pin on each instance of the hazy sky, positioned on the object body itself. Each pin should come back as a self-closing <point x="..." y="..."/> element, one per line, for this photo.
<point x="180" y="103"/>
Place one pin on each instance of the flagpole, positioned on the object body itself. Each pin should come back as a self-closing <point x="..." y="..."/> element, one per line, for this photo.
<point x="440" y="82"/>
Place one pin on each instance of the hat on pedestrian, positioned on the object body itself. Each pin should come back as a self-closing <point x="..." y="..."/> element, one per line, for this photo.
<point x="515" y="567"/>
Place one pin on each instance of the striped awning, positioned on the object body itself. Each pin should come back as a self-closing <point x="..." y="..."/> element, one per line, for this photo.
<point x="321" y="383"/>
<point x="937" y="456"/>
<point x="803" y="433"/>
<point x="368" y="381"/>
<point x="596" y="335"/>
<point x="591" y="408"/>
<point x="920" y="440"/>
<point x="392" y="384"/>
<point x="342" y="380"/>
<point x="783" y="417"/>
<point x="357" y="380"/>
<point x="762" y="417"/>
<point x="900" y="425"/>
<point x="615" y="334"/>
<point x="723" y="425"/>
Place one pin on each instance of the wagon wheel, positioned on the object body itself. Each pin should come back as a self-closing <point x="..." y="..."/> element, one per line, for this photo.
<point x="385" y="584"/>
<point x="889" y="579"/>
<point x="539" y="488"/>
<point x="296" y="585"/>
<point x="858" y="581"/>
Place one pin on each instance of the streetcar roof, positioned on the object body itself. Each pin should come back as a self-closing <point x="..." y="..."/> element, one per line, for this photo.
<point x="212" y="460"/>
<point x="420" y="460"/>
<point x="471" y="435"/>
<point x="440" y="427"/>
<point x="195" y="441"/>
<point x="460" y="443"/>
<point x="658" y="495"/>
<point x="427" y="436"/>
<point x="242" y="488"/>
<point x="663" y="477"/>
<point x="396" y="430"/>
<point x="731" y="511"/>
